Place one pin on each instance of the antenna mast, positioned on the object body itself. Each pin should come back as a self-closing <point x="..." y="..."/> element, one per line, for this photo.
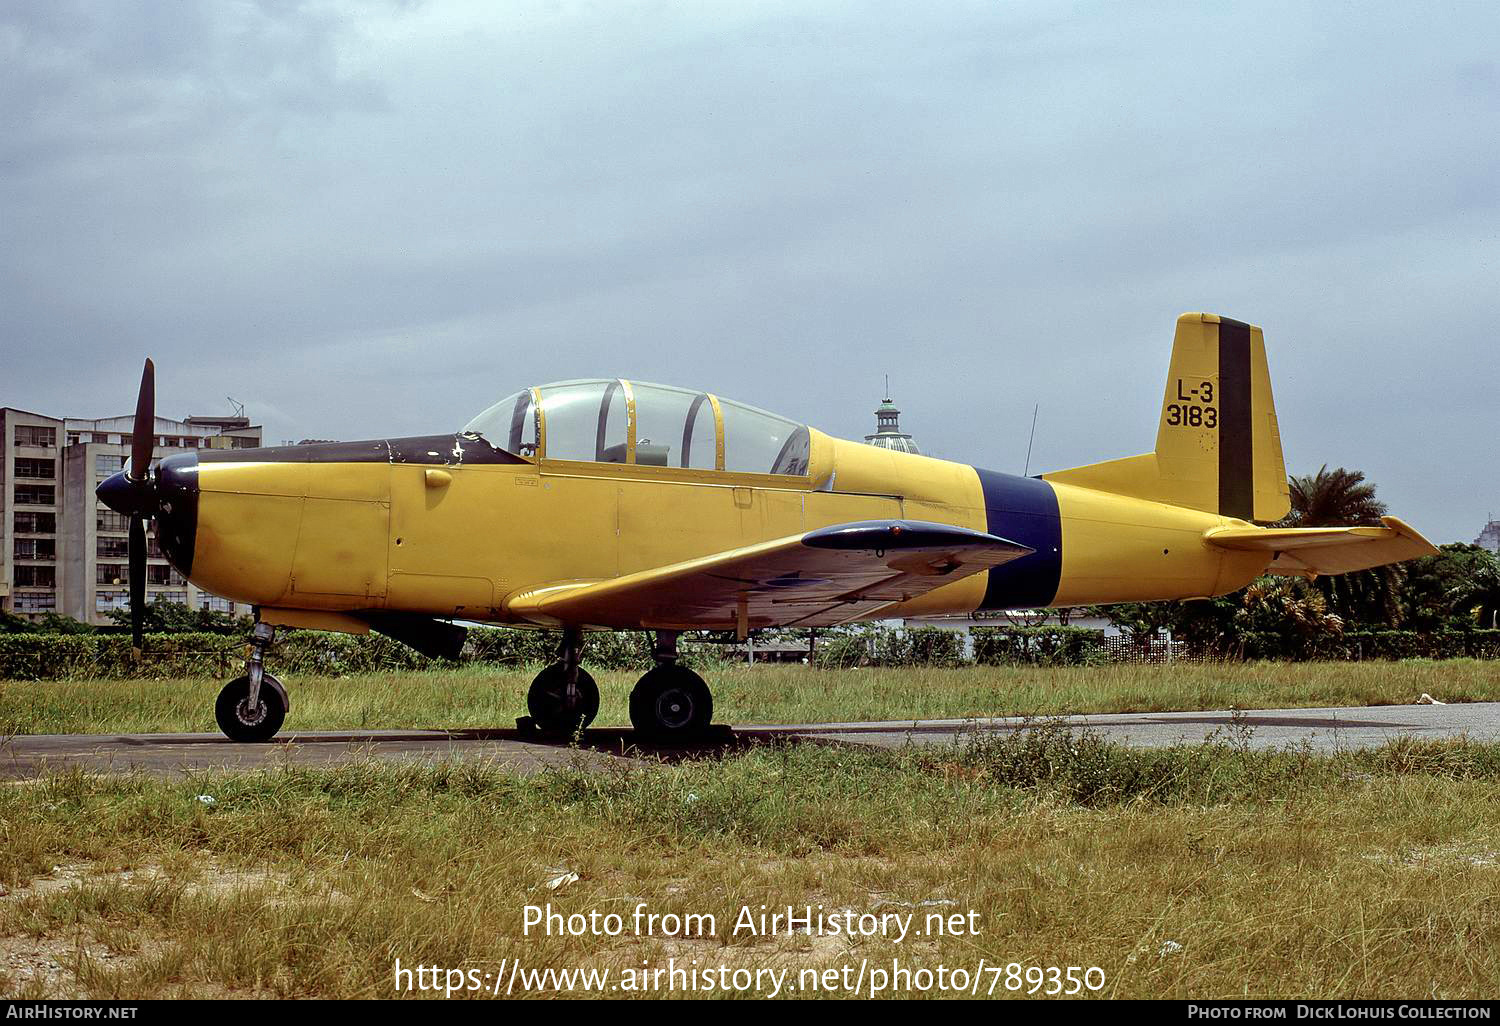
<point x="1034" y="411"/>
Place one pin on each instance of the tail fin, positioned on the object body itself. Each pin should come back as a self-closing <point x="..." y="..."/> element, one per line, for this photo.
<point x="1218" y="448"/>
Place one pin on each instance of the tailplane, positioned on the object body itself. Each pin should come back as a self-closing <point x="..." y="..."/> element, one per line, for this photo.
<point x="1218" y="448"/>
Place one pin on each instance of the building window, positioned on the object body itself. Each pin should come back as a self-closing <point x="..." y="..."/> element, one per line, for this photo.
<point x="30" y="434"/>
<point x="106" y="464"/>
<point x="105" y="601"/>
<point x="35" y="602"/>
<point x="41" y="470"/>
<point x="161" y="574"/>
<point x="36" y="495"/>
<point x="36" y="548"/>
<point x="36" y="577"/>
<point x="109" y="520"/>
<point x="29" y="522"/>
<point x="180" y="597"/>
<point x="73" y="437"/>
<point x="112" y="548"/>
<point x="215" y="604"/>
<point x="110" y="573"/>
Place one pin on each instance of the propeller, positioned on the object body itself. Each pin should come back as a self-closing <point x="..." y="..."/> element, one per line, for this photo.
<point x="133" y="493"/>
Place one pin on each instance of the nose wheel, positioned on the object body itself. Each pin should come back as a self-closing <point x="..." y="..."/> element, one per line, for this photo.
<point x="670" y="702"/>
<point x="253" y="706"/>
<point x="243" y="720"/>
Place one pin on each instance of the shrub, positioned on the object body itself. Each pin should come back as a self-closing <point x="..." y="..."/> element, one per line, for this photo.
<point x="1038" y="646"/>
<point x="840" y="651"/>
<point x="200" y="654"/>
<point x="50" y="656"/>
<point x="1445" y="643"/>
<point x="918" y="646"/>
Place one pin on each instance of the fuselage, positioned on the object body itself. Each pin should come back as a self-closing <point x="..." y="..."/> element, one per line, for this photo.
<point x="606" y="503"/>
<point x="450" y="526"/>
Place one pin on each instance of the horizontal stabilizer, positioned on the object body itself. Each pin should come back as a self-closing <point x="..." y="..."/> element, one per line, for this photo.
<point x="825" y="577"/>
<point x="1326" y="550"/>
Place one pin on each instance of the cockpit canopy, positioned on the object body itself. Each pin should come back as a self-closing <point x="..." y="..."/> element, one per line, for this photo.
<point x="611" y="420"/>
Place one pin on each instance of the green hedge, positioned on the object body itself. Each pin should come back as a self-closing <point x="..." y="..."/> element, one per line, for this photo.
<point x="53" y="656"/>
<point x="1038" y="646"/>
<point x="918" y="646"/>
<point x="895" y="646"/>
<point x="1443" y="644"/>
<point x="841" y="651"/>
<point x="1367" y="645"/>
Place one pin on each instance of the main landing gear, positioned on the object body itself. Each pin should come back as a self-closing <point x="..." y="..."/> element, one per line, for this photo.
<point x="253" y="706"/>
<point x="669" y="703"/>
<point x="563" y="698"/>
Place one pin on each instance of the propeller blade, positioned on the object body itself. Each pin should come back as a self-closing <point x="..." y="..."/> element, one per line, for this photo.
<point x="137" y="583"/>
<point x="143" y="433"/>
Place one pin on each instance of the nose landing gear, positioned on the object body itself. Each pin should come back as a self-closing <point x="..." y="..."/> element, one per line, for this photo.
<point x="671" y="702"/>
<point x="252" y="707"/>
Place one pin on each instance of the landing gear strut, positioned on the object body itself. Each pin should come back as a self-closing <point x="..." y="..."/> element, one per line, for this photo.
<point x="563" y="698"/>
<point x="252" y="707"/>
<point x="670" y="702"/>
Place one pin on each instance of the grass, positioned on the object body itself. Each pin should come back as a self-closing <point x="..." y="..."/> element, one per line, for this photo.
<point x="1366" y="874"/>
<point x="1197" y="871"/>
<point x="485" y="696"/>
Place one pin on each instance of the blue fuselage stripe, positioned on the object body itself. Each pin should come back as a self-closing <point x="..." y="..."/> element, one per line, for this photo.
<point x="1023" y="510"/>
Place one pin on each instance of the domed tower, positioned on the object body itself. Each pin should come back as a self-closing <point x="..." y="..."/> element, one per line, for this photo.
<point x="888" y="433"/>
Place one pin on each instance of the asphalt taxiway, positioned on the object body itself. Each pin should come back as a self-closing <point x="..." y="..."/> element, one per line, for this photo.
<point x="1323" y="730"/>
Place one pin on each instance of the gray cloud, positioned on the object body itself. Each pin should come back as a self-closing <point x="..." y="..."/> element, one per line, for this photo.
<point x="378" y="219"/>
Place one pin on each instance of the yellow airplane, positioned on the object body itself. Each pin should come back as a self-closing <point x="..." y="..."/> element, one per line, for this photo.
<point x="613" y="504"/>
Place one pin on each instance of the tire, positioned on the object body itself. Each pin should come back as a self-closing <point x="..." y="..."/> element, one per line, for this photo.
<point x="671" y="703"/>
<point x="241" y="724"/>
<point x="547" y="701"/>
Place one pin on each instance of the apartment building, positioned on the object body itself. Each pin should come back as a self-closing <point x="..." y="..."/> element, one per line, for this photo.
<point x="61" y="550"/>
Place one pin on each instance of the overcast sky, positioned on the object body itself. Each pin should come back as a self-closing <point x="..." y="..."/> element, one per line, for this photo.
<point x="363" y="220"/>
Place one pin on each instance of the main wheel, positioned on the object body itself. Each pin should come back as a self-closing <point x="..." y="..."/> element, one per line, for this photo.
<point x="552" y="710"/>
<point x="671" y="703"/>
<point x="239" y="721"/>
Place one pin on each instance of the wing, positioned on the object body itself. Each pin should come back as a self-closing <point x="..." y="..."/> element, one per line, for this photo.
<point x="826" y="577"/>
<point x="1326" y="550"/>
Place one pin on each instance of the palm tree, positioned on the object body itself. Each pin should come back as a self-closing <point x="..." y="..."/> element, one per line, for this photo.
<point x="1343" y="498"/>
<point x="1334" y="498"/>
<point x="1478" y="595"/>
